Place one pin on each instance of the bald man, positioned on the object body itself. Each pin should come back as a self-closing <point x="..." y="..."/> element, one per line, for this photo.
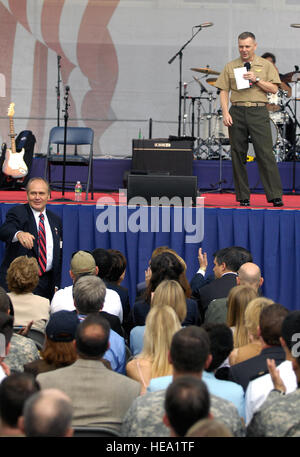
<point x="47" y="413"/>
<point x="249" y="274"/>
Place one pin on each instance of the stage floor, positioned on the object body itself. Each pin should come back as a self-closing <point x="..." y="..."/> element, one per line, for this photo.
<point x="211" y="200"/>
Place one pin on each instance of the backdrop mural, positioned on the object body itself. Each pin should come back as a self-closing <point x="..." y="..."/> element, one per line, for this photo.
<point x="114" y="55"/>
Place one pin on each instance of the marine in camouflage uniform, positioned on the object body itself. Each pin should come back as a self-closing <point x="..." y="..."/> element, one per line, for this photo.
<point x="278" y="416"/>
<point x="144" y="417"/>
<point x="22" y="350"/>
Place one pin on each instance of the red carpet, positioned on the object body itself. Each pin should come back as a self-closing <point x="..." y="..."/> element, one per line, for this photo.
<point x="211" y="200"/>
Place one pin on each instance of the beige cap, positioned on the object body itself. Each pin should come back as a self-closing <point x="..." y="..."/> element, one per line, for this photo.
<point x="82" y="262"/>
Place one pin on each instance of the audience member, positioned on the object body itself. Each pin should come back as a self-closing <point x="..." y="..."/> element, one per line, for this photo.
<point x="189" y="356"/>
<point x="168" y="292"/>
<point x="115" y="277"/>
<point x="22" y="279"/>
<point x="100" y="397"/>
<point x="83" y="264"/>
<point x="59" y="350"/>
<point x="259" y="388"/>
<point x="279" y="414"/>
<point x="209" y="428"/>
<point x="14" y="391"/>
<point x="103" y="260"/>
<point x="22" y="350"/>
<point x="6" y="332"/>
<point x="270" y="322"/>
<point x="251" y="318"/>
<point x="249" y="274"/>
<point x="161" y="324"/>
<point x="47" y="413"/>
<point x="238" y="299"/>
<point x="221" y="344"/>
<point x="187" y="401"/>
<point x="165" y="266"/>
<point x="227" y="261"/>
<point x="89" y="292"/>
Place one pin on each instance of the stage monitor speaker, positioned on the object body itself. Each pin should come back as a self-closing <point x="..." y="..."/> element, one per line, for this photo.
<point x="162" y="155"/>
<point x="158" y="186"/>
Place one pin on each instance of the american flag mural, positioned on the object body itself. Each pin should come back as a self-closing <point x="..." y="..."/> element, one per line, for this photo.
<point x="32" y="34"/>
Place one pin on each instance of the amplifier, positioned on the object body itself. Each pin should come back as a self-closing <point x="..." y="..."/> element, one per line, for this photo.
<point x="162" y="155"/>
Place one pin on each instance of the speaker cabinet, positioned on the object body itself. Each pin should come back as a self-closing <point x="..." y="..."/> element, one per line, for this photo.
<point x="162" y="155"/>
<point x="152" y="186"/>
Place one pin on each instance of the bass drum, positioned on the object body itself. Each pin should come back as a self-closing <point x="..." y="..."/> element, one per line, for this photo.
<point x="275" y="137"/>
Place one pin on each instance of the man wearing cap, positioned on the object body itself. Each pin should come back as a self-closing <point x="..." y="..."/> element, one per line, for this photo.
<point x="248" y="115"/>
<point x="32" y="230"/>
<point x="83" y="263"/>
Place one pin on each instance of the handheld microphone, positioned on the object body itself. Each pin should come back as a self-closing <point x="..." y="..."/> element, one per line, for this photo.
<point x="296" y="67"/>
<point x="67" y="88"/>
<point x="205" y="24"/>
<point x="248" y="66"/>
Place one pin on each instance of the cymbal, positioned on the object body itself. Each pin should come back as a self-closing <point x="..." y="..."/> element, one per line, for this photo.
<point x="211" y="81"/>
<point x="206" y="70"/>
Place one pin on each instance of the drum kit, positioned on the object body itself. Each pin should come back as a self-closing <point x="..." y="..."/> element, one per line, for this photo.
<point x="212" y="135"/>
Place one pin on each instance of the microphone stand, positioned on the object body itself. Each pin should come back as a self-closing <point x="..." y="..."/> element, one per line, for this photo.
<point x="179" y="53"/>
<point x="66" y="117"/>
<point x="58" y="95"/>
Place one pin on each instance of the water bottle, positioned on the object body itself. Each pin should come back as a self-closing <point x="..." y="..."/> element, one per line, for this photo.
<point x="78" y="191"/>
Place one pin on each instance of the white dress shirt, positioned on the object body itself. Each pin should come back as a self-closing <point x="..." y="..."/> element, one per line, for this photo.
<point x="63" y="300"/>
<point x="258" y="389"/>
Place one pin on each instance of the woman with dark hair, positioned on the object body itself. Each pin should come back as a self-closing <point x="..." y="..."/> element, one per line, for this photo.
<point x="166" y="266"/>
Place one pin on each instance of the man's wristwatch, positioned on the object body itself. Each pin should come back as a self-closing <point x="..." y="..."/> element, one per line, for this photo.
<point x="279" y="391"/>
<point x="257" y="80"/>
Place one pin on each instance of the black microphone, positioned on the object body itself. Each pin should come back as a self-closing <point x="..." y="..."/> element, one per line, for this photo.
<point x="67" y="88"/>
<point x="248" y="66"/>
<point x="296" y="67"/>
<point x="205" y="24"/>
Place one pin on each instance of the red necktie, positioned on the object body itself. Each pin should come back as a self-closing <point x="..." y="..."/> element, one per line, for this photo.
<point x="42" y="259"/>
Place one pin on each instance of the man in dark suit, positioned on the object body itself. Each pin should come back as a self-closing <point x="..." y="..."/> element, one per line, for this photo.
<point x="21" y="231"/>
<point x="227" y="262"/>
<point x="270" y="323"/>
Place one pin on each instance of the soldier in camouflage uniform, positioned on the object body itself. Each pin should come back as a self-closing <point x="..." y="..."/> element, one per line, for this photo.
<point x="22" y="351"/>
<point x="279" y="414"/>
<point x="144" y="417"/>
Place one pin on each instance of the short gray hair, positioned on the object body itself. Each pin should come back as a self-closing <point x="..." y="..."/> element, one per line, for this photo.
<point x="48" y="412"/>
<point x="89" y="294"/>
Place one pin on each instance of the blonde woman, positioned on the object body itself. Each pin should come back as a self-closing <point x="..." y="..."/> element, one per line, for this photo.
<point x="238" y="299"/>
<point x="161" y="324"/>
<point x="170" y="293"/>
<point x="253" y="347"/>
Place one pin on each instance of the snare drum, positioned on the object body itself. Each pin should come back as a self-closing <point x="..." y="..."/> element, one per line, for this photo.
<point x="211" y="126"/>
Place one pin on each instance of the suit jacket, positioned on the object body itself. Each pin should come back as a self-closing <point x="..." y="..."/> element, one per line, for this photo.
<point x="100" y="396"/>
<point x="20" y="217"/>
<point x="244" y="372"/>
<point x="218" y="288"/>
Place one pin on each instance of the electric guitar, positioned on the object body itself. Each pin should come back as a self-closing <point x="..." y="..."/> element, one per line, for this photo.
<point x="14" y="165"/>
